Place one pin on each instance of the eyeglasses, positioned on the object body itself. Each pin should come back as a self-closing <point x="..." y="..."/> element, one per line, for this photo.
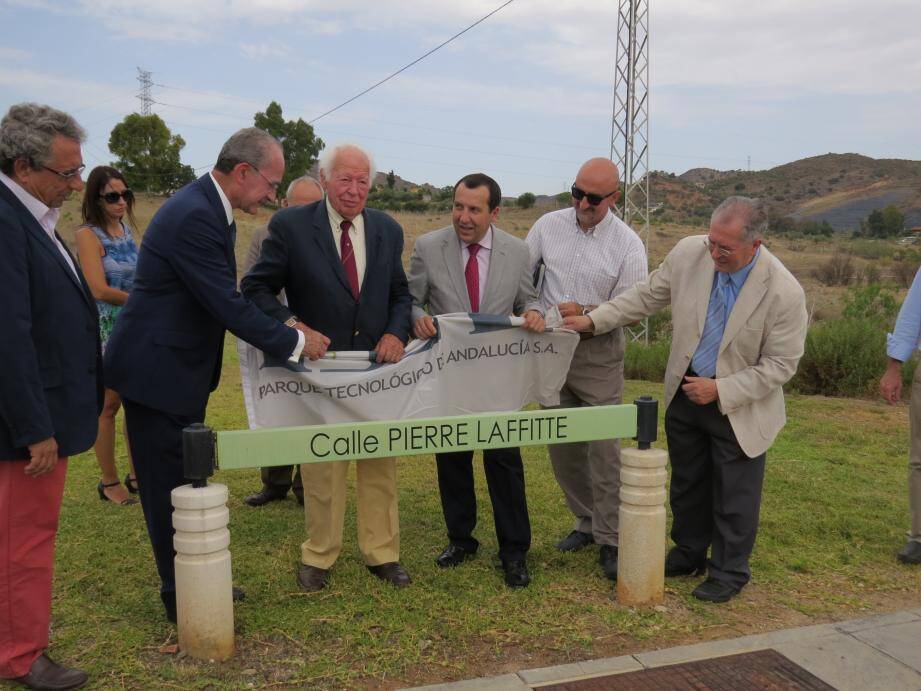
<point x="273" y="185"/>
<point x="592" y="199"/>
<point x="67" y="174"/>
<point x="721" y="249"/>
<point x="113" y="197"/>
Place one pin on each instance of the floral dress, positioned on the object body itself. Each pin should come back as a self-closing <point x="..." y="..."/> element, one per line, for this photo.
<point x="119" y="260"/>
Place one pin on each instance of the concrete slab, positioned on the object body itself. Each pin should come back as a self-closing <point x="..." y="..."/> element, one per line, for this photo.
<point x="579" y="670"/>
<point x="877" y="621"/>
<point x="901" y="641"/>
<point x="506" y="682"/>
<point x="700" y="651"/>
<point x="850" y="665"/>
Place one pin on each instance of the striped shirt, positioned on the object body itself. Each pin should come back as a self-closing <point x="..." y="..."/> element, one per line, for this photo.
<point x="587" y="267"/>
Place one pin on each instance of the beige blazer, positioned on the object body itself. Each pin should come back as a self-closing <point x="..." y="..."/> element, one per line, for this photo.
<point x="761" y="346"/>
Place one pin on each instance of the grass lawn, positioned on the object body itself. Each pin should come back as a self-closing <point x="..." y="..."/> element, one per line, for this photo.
<point x="834" y="512"/>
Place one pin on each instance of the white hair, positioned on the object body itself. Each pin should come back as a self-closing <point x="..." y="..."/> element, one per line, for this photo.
<point x="303" y="178"/>
<point x="328" y="159"/>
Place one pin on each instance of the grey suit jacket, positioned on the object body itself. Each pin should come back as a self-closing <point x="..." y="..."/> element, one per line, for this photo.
<point x="436" y="278"/>
<point x="761" y="346"/>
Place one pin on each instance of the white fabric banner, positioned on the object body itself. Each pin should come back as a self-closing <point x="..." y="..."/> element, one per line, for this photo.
<point x="477" y="363"/>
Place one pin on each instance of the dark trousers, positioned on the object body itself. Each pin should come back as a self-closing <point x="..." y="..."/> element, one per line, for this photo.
<point x="715" y="490"/>
<point x="505" y="480"/>
<point x="278" y="477"/>
<point x="156" y="448"/>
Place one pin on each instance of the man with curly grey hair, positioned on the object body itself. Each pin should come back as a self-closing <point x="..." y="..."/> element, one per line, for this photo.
<point x="738" y="329"/>
<point x="51" y="389"/>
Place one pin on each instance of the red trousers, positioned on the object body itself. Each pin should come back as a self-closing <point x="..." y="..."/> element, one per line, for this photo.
<point x="29" y="508"/>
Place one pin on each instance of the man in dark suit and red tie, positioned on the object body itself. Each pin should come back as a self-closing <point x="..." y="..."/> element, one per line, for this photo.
<point x="164" y="355"/>
<point x="340" y="266"/>
<point x="51" y="386"/>
<point x="473" y="266"/>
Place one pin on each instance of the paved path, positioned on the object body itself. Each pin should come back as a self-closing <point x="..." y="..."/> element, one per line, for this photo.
<point x="881" y="652"/>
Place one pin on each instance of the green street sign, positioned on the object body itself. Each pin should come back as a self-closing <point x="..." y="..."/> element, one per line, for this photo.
<point x="345" y="441"/>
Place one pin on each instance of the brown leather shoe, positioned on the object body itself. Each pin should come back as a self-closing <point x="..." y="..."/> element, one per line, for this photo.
<point x="47" y="675"/>
<point x="311" y="578"/>
<point x="391" y="572"/>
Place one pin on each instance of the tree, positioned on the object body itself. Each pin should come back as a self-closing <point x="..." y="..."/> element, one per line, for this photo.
<point x="391" y="179"/>
<point x="300" y="144"/>
<point x="526" y="200"/>
<point x="884" y="223"/>
<point x="564" y="198"/>
<point x="148" y="154"/>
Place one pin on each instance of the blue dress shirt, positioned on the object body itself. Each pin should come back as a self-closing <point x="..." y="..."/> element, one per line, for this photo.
<point x="906" y="337"/>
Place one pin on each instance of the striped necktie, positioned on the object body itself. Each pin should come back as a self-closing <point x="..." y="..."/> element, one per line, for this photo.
<point x="704" y="361"/>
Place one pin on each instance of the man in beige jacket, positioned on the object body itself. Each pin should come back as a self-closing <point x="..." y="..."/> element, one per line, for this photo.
<point x="738" y="329"/>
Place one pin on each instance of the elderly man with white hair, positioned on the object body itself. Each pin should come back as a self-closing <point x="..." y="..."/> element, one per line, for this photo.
<point x="340" y="265"/>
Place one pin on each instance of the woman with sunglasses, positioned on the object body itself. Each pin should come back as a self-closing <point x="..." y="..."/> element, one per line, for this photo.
<point x="108" y="255"/>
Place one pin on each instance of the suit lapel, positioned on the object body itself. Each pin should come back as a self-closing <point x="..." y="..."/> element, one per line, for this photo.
<point x="373" y="239"/>
<point x="230" y="240"/>
<point x="323" y="236"/>
<point x="34" y="227"/>
<point x="750" y="297"/>
<point x="702" y="290"/>
<point x="450" y="252"/>
<point x="496" y="262"/>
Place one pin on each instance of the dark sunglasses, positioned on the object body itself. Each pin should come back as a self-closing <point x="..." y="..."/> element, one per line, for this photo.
<point x="113" y="197"/>
<point x="593" y="199"/>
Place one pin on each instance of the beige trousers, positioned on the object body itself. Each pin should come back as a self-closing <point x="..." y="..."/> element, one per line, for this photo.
<point x="324" y="509"/>
<point x="914" y="459"/>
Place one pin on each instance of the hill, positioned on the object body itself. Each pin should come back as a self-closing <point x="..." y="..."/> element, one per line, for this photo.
<point x="839" y="188"/>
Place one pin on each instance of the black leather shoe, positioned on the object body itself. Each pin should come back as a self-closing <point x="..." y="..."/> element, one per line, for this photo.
<point x="454" y="555"/>
<point x="516" y="573"/>
<point x="48" y="675"/>
<point x="391" y="572"/>
<point x="677" y="564"/>
<point x="911" y="553"/>
<point x="607" y="557"/>
<point x="575" y="541"/>
<point x="264" y="496"/>
<point x="712" y="590"/>
<point x="311" y="578"/>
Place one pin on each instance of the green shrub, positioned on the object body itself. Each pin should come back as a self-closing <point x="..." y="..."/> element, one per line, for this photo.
<point x="871" y="249"/>
<point x="646" y="362"/>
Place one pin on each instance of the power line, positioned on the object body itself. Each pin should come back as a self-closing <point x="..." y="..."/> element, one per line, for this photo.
<point x="417" y="60"/>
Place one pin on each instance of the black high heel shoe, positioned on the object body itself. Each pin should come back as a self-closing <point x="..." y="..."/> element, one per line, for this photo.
<point x="131" y="483"/>
<point x="101" y="488"/>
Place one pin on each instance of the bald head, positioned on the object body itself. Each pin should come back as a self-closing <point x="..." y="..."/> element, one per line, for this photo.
<point x="597" y="181"/>
<point x="303" y="190"/>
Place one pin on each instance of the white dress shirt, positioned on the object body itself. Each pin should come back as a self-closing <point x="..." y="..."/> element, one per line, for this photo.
<point x="46" y="216"/>
<point x="482" y="259"/>
<point x="585" y="266"/>
<point x="356" y="235"/>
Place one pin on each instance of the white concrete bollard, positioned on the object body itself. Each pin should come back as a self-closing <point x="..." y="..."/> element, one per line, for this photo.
<point x="641" y="553"/>
<point x="204" y="588"/>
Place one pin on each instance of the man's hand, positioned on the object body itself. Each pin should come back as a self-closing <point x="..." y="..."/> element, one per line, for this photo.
<point x="533" y="321"/>
<point x="890" y="386"/>
<point x="424" y="328"/>
<point x="315" y="343"/>
<point x="44" y="455"/>
<point x="579" y="323"/>
<point x="701" y="390"/>
<point x="570" y="309"/>
<point x="389" y="349"/>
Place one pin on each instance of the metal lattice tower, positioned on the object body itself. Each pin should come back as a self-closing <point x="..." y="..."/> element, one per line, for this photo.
<point x="630" y="125"/>
<point x="144" y="79"/>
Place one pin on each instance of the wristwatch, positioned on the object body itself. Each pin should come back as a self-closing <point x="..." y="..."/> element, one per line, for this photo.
<point x="291" y="321"/>
<point x="585" y="311"/>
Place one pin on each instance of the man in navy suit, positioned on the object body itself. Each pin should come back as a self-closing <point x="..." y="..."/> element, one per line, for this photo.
<point x="51" y="387"/>
<point x="340" y="265"/>
<point x="164" y="355"/>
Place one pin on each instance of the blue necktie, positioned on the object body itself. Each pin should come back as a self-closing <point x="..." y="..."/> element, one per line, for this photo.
<point x="704" y="360"/>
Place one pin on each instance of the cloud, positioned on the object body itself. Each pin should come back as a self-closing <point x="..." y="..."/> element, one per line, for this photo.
<point x="262" y="51"/>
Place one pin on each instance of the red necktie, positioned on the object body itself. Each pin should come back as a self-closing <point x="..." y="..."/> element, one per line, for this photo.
<point x="472" y="274"/>
<point x="348" y="258"/>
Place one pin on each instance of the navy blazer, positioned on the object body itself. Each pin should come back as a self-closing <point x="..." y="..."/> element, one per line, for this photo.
<point x="300" y="256"/>
<point x="51" y="384"/>
<point x="166" y="349"/>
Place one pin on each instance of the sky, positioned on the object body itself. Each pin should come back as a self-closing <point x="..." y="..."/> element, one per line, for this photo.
<point x="526" y="96"/>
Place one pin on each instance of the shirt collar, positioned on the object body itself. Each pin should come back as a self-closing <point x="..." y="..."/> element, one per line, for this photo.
<point x="35" y="206"/>
<point x="485" y="242"/>
<point x="738" y="277"/>
<point x="603" y="223"/>
<point x="225" y="202"/>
